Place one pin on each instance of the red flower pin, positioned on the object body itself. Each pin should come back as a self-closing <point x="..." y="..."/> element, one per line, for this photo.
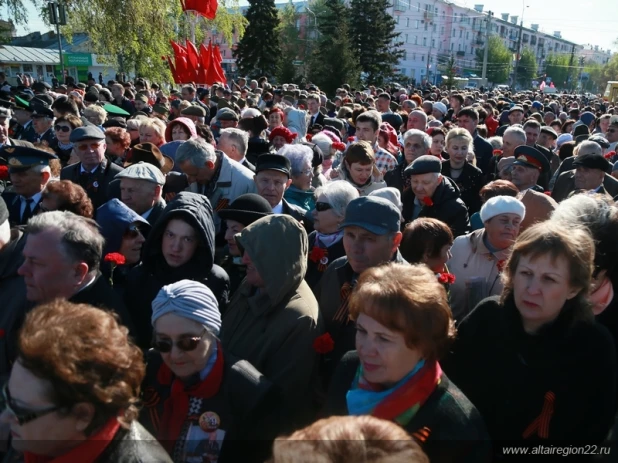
<point x="497" y="152"/>
<point x="308" y="137"/>
<point x="350" y="139"/>
<point x="446" y="278"/>
<point x="317" y="254"/>
<point x="501" y="264"/>
<point x="427" y="201"/>
<point x="4" y="172"/>
<point x="609" y="154"/>
<point x="323" y="344"/>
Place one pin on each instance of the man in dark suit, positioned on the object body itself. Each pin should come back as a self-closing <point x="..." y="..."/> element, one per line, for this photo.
<point x="141" y="188"/>
<point x="24" y="129"/>
<point x="94" y="172"/>
<point x="29" y="172"/>
<point x="315" y="116"/>
<point x="42" y="120"/>
<point x="589" y="174"/>
<point x="5" y="123"/>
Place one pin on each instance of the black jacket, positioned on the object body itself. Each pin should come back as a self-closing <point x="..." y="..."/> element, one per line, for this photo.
<point x="469" y="182"/>
<point x="100" y="294"/>
<point x="28" y="134"/>
<point x="457" y="433"/>
<point x="49" y="138"/>
<point x="299" y="214"/>
<point x="145" y="280"/>
<point x="255" y="148"/>
<point x="314" y="274"/>
<point x="156" y="213"/>
<point x="248" y="406"/>
<point x="394" y="178"/>
<point x="483" y="152"/>
<point x="447" y="207"/>
<point x="13" y="203"/>
<point x="568" y="368"/>
<point x="319" y="120"/>
<point x="97" y="186"/>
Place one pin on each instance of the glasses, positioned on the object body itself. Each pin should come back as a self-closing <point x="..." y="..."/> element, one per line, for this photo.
<point x="611" y="130"/>
<point x="132" y="232"/>
<point x="321" y="207"/>
<point x="21" y="414"/>
<point x="62" y="128"/>
<point x="86" y="146"/>
<point x="164" y="346"/>
<point x="307" y="172"/>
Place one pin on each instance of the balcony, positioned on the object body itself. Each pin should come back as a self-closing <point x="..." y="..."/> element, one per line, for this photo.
<point x="399" y="5"/>
<point x="479" y="42"/>
<point x="461" y="53"/>
<point x="428" y="16"/>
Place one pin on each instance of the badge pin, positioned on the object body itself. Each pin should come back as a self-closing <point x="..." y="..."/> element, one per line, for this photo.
<point x="209" y="421"/>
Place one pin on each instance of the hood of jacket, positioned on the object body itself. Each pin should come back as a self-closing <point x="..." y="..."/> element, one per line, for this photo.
<point x="113" y="218"/>
<point x="278" y="246"/>
<point x="11" y="255"/>
<point x="374" y="183"/>
<point x="195" y="209"/>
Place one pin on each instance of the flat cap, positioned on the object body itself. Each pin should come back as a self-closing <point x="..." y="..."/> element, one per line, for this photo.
<point x="227" y="114"/>
<point x="194" y="110"/>
<point x="549" y="131"/>
<point x="375" y="214"/>
<point x="273" y="162"/>
<point x="592" y="161"/>
<point x="516" y="108"/>
<point x="143" y="171"/>
<point x="87" y="132"/>
<point x="424" y="165"/>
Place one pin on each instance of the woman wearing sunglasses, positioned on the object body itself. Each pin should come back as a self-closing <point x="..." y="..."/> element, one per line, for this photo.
<point x="325" y="242"/>
<point x="73" y="390"/>
<point x="197" y="397"/>
<point x="123" y="230"/>
<point x="63" y="128"/>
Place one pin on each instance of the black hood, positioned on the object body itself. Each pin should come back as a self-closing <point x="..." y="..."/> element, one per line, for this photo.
<point x="195" y="209"/>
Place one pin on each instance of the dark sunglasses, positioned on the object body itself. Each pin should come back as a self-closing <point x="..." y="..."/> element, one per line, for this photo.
<point x="184" y="344"/>
<point x="132" y="232"/>
<point x="22" y="415"/>
<point x="321" y="207"/>
<point x="62" y="128"/>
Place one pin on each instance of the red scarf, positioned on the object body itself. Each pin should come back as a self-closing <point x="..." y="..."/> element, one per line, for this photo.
<point x="86" y="452"/>
<point x="176" y="408"/>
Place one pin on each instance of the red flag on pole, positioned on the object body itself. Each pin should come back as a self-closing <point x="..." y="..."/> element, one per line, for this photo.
<point x="206" y="8"/>
<point x="192" y="55"/>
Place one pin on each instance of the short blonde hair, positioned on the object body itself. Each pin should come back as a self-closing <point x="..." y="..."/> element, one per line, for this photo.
<point x="156" y="124"/>
<point x="96" y="111"/>
<point x="459" y="133"/>
<point x="348" y="438"/>
<point x="407" y="299"/>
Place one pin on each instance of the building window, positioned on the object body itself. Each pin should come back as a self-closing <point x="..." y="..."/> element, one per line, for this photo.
<point x="416" y="24"/>
<point x="413" y="56"/>
<point x="418" y="6"/>
<point x="424" y="41"/>
<point x="405" y="55"/>
<point x="27" y="67"/>
<point x="403" y="71"/>
<point x="467" y="35"/>
<point x="426" y="25"/>
<point x="460" y="34"/>
<point x="415" y="40"/>
<point x="442" y="30"/>
<point x="407" y="22"/>
<point x="406" y="38"/>
<point x="435" y="27"/>
<point x="455" y="17"/>
<point x="433" y="43"/>
<point x="453" y="32"/>
<point x="452" y="46"/>
<point x="423" y="58"/>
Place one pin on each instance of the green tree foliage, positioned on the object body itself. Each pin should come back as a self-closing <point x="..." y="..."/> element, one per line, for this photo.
<point x="333" y="61"/>
<point x="557" y="67"/>
<point x="133" y="35"/>
<point x="526" y="71"/>
<point x="448" y="68"/>
<point x="293" y="47"/>
<point x="259" y="51"/>
<point x="499" y="61"/>
<point x="374" y="40"/>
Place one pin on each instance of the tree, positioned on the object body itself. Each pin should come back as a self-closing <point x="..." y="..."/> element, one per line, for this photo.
<point x="333" y="61"/>
<point x="526" y="70"/>
<point x="499" y="61"/>
<point x="449" y="70"/>
<point x="557" y="67"/>
<point x="133" y="35"/>
<point x="293" y="48"/>
<point x="374" y="40"/>
<point x="259" y="51"/>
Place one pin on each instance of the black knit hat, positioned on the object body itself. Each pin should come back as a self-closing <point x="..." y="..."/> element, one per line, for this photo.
<point x="246" y="209"/>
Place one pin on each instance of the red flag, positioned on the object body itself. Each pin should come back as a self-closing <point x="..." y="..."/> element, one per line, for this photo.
<point x="173" y="70"/>
<point x="219" y="60"/>
<point x="179" y="50"/>
<point x="207" y="8"/>
<point x="192" y="53"/>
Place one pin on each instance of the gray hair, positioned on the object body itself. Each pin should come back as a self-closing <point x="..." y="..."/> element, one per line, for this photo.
<point x="238" y="138"/>
<point x="391" y="194"/>
<point x="298" y="155"/>
<point x="95" y="111"/>
<point x="518" y="132"/>
<point x="584" y="210"/>
<point x="495" y="142"/>
<point x="419" y="113"/>
<point x="339" y="195"/>
<point x="80" y="239"/>
<point x="197" y="151"/>
<point x="589" y="147"/>
<point x="410" y="103"/>
<point x="417" y="133"/>
<point x="250" y="112"/>
<point x="324" y="142"/>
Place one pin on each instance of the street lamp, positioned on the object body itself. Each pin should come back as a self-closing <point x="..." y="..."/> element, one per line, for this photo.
<point x="521" y="31"/>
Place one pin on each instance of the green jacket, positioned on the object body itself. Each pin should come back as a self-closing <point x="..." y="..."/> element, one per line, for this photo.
<point x="300" y="198"/>
<point x="274" y="327"/>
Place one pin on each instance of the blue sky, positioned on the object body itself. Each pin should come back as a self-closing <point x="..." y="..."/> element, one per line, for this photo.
<point x="586" y="22"/>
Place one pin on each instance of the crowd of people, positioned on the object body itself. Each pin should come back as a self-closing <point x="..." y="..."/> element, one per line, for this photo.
<point x="263" y="272"/>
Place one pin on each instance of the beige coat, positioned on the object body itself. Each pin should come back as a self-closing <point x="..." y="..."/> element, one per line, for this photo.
<point x="472" y="259"/>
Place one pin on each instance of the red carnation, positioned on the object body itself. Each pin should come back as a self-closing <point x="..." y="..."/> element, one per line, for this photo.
<point x="427" y="201"/>
<point x="497" y="152"/>
<point x="446" y="278"/>
<point x="323" y="344"/>
<point x="350" y="139"/>
<point x="317" y="254"/>
<point x="339" y="146"/>
<point x="4" y="172"/>
<point x="548" y="193"/>
<point x="308" y="137"/>
<point x="501" y="264"/>
<point x="609" y="154"/>
<point x="115" y="258"/>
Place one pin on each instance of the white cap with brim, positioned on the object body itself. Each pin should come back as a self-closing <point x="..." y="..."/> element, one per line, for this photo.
<point x="502" y="205"/>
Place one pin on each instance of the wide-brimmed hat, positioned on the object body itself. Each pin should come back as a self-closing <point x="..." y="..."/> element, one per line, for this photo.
<point x="148" y="152"/>
<point x="246" y="209"/>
